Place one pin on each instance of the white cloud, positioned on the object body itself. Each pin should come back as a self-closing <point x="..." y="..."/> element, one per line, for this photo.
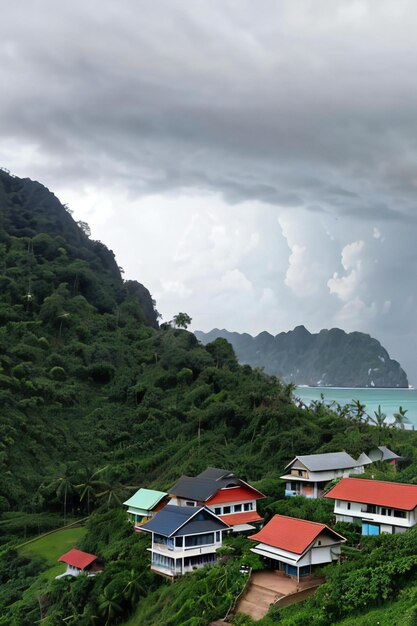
<point x="176" y="288"/>
<point x="235" y="280"/>
<point x="181" y="148"/>
<point x="351" y="255"/>
<point x="354" y="310"/>
<point x="345" y="287"/>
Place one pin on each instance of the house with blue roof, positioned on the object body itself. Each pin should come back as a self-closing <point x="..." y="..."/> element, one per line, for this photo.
<point x="184" y="539"/>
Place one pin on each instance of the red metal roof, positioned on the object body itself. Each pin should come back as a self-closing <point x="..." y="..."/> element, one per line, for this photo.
<point x="241" y="518"/>
<point x="78" y="558"/>
<point x="292" y="534"/>
<point x="382" y="493"/>
<point x="234" y="494"/>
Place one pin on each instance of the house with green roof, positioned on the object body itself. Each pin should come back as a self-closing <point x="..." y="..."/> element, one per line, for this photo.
<point x="144" y="504"/>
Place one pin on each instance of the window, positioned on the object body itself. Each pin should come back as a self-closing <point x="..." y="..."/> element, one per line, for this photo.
<point x="189" y="503"/>
<point x="160" y="539"/>
<point x="398" y="513"/>
<point x="237" y="508"/>
<point x="199" y="540"/>
<point x="385" y="511"/>
<point x="164" y="561"/>
<point x="178" y="542"/>
<point x="369" y="508"/>
<point x="218" y="510"/>
<point x="226" y="510"/>
<point x="319" y="543"/>
<point x="248" y="506"/>
<point x="348" y="506"/>
<point x="218" y="536"/>
<point x="300" y="472"/>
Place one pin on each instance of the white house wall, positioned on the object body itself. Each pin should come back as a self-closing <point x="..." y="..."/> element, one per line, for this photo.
<point x="324" y="554"/>
<point x="346" y="514"/>
<point x="314" y="556"/>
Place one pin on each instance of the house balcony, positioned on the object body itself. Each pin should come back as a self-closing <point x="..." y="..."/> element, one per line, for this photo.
<point x="294" y="492"/>
<point x="178" y="553"/>
<point x="171" y="573"/>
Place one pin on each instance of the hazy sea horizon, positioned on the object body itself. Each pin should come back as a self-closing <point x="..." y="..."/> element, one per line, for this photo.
<point x="390" y="399"/>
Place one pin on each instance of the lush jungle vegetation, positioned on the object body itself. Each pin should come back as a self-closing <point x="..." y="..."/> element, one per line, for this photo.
<point x="96" y="400"/>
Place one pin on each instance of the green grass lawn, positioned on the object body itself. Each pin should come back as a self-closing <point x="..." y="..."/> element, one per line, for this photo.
<point x="51" y="547"/>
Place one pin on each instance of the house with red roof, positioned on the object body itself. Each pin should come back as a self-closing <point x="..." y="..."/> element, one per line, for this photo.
<point x="375" y="505"/>
<point x="78" y="561"/>
<point x="225" y="494"/>
<point x="294" y="546"/>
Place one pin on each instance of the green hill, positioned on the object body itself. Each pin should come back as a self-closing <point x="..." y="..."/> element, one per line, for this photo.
<point x="330" y="358"/>
<point x="97" y="399"/>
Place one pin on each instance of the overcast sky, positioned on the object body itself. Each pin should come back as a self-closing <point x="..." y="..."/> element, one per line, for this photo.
<point x="252" y="163"/>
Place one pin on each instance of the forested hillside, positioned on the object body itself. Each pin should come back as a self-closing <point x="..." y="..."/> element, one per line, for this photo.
<point x="97" y="400"/>
<point x="329" y="358"/>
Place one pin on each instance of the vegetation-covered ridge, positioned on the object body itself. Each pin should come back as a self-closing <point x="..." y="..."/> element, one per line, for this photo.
<point x="96" y="400"/>
<point x="329" y="358"/>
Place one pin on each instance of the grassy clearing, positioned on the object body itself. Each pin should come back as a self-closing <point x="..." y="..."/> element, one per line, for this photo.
<point x="50" y="548"/>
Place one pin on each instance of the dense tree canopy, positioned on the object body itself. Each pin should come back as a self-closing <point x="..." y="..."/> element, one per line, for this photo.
<point x="96" y="401"/>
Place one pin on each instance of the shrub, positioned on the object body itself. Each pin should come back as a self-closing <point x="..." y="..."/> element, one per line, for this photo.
<point x="57" y="373"/>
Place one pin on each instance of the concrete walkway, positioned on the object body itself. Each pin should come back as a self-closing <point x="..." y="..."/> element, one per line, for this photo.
<point x="267" y="587"/>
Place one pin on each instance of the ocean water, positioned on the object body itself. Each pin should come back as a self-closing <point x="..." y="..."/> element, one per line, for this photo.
<point x="389" y="399"/>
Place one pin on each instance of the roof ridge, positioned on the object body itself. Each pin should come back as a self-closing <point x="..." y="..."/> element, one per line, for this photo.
<point x="300" y="519"/>
<point x="375" y="480"/>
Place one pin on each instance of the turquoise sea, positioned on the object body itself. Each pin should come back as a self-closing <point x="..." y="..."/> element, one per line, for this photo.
<point x="389" y="399"/>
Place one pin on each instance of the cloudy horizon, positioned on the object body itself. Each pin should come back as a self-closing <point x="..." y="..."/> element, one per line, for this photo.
<point x="254" y="166"/>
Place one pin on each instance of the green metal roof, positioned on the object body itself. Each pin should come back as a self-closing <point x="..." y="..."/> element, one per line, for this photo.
<point x="145" y="499"/>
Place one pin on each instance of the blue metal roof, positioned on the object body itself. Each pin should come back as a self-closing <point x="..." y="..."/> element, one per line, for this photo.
<point x="208" y="525"/>
<point x="176" y="518"/>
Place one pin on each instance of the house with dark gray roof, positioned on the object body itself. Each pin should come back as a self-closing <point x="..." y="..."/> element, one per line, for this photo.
<point x="225" y="494"/>
<point x="307" y="475"/>
<point x="184" y="539"/>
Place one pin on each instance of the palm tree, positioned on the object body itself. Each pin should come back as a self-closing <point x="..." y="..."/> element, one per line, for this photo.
<point x="112" y="491"/>
<point x="379" y="421"/>
<point x="357" y="412"/>
<point x="400" y="418"/>
<point x="109" y="604"/>
<point x="359" y="409"/>
<point x="90" y="486"/>
<point x="134" y="588"/>
<point x="63" y="486"/>
<point x="316" y="406"/>
<point x="287" y="394"/>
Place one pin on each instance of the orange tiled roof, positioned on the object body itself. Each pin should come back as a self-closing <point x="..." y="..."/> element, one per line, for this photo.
<point x="291" y="534"/>
<point x="241" y="518"/>
<point x="381" y="493"/>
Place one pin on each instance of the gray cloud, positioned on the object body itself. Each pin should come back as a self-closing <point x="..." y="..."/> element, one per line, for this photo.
<point x="295" y="118"/>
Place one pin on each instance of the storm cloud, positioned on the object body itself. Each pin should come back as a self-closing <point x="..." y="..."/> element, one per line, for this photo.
<point x="252" y="163"/>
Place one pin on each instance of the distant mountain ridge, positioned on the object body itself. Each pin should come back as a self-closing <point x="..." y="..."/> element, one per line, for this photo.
<point x="331" y="358"/>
